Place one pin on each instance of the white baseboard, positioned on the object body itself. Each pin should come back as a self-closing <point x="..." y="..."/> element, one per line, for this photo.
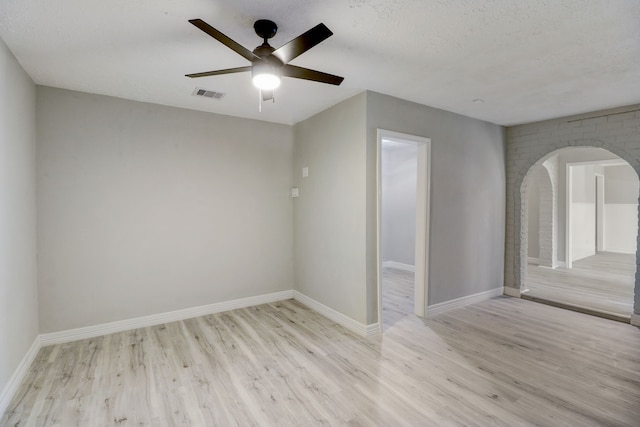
<point x="18" y="375"/>
<point x="512" y="292"/>
<point x="538" y="262"/>
<point x="44" y="340"/>
<point x="441" y="307"/>
<point x="635" y="319"/>
<point x="158" y="319"/>
<point x="341" y="319"/>
<point x="399" y="266"/>
<point x="172" y="316"/>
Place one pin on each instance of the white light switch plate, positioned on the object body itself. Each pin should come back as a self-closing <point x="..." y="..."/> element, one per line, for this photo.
<point x="305" y="171"/>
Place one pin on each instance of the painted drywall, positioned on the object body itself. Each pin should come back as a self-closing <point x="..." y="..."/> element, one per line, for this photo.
<point x="583" y="211"/>
<point x="621" y="228"/>
<point x="621" y="209"/>
<point x="584" y="183"/>
<point x="467" y="197"/>
<point x="621" y="185"/>
<point x="399" y="168"/>
<point x="144" y="209"/>
<point x="330" y="214"/>
<point x="18" y="269"/>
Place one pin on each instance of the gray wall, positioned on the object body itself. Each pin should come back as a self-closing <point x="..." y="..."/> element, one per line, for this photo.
<point x="621" y="185"/>
<point x="144" y="209"/>
<point x="336" y="214"/>
<point x="18" y="272"/>
<point x="399" y="166"/>
<point x="621" y="209"/>
<point x="467" y="196"/>
<point x="330" y="214"/>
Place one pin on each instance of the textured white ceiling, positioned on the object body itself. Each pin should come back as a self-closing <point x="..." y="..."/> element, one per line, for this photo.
<point x="528" y="60"/>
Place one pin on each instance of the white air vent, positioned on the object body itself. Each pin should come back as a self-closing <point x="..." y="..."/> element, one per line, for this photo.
<point x="208" y="93"/>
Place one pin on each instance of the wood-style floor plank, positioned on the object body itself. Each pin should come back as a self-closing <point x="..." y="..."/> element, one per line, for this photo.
<point x="600" y="283"/>
<point x="503" y="362"/>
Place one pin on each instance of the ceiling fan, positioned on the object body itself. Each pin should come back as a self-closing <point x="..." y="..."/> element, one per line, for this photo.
<point x="269" y="64"/>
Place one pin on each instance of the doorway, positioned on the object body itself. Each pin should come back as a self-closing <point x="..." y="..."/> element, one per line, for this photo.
<point x="403" y="226"/>
<point x="585" y="208"/>
<point x="593" y="270"/>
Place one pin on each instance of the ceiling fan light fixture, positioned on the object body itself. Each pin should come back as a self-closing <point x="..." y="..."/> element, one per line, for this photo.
<point x="268" y="65"/>
<point x="265" y="76"/>
<point x="266" y="81"/>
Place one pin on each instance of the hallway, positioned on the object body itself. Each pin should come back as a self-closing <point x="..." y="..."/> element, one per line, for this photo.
<point x="397" y="295"/>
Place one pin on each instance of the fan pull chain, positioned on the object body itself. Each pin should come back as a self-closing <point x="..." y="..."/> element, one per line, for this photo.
<point x="259" y="100"/>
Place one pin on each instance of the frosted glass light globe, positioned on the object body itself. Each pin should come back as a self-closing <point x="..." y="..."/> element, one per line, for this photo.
<point x="266" y="81"/>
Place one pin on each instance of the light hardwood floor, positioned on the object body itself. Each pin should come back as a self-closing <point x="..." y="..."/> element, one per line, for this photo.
<point x="503" y="362"/>
<point x="397" y="295"/>
<point x="602" y="283"/>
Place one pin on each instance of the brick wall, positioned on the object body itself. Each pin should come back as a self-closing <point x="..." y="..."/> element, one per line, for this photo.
<point x="548" y="214"/>
<point x="616" y="130"/>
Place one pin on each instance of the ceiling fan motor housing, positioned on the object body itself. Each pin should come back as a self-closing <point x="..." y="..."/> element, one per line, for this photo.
<point x="265" y="29"/>
<point x="267" y="64"/>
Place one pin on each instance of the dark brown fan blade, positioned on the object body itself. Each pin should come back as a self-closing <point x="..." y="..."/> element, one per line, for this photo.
<point x="302" y="43"/>
<point x="267" y="95"/>
<point x="236" y="47"/>
<point x="307" y="74"/>
<point x="218" y="72"/>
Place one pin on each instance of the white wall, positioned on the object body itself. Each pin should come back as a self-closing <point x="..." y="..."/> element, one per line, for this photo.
<point x="467" y="196"/>
<point x="144" y="209"/>
<point x="621" y="228"/>
<point x="399" y="166"/>
<point x="330" y="214"/>
<point x="18" y="272"/>
<point x="621" y="209"/>
<point x="583" y="212"/>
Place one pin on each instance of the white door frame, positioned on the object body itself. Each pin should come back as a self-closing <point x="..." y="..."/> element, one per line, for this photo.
<point x="600" y="232"/>
<point x="423" y="196"/>
<point x="567" y="217"/>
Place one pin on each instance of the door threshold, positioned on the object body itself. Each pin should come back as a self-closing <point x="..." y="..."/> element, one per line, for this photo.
<point x="580" y="309"/>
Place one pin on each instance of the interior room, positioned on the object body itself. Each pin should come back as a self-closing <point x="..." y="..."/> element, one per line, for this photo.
<point x="198" y="231"/>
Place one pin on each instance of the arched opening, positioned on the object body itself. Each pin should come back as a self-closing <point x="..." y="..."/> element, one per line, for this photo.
<point x="542" y="214"/>
<point x="578" y="232"/>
